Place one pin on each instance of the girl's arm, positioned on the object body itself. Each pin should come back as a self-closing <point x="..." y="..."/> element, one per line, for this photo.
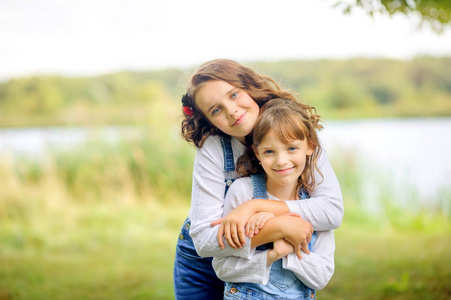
<point x="239" y="269"/>
<point x="207" y="200"/>
<point x="324" y="208"/>
<point x="314" y="270"/>
<point x="292" y="229"/>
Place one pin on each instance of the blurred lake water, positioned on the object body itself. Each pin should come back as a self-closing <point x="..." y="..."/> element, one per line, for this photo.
<point x="408" y="158"/>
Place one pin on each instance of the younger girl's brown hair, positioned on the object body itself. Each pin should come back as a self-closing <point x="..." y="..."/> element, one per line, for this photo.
<point x="289" y="121"/>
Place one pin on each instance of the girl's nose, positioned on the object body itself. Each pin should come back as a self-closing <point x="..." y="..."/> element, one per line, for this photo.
<point x="281" y="159"/>
<point x="231" y="110"/>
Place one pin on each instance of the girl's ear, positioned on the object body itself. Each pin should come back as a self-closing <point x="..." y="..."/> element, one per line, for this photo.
<point x="310" y="149"/>
<point x="256" y="152"/>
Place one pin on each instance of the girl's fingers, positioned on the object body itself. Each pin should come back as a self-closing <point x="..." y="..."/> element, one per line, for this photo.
<point x="297" y="251"/>
<point x="305" y="247"/>
<point x="263" y="221"/>
<point x="220" y="236"/>
<point x="228" y="236"/>
<point x="250" y="226"/>
<point x="235" y="237"/>
<point x="292" y="214"/>
<point x="216" y="222"/>
<point x="241" y="235"/>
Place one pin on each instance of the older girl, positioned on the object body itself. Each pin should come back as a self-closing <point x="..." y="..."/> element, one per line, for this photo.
<point x="221" y="107"/>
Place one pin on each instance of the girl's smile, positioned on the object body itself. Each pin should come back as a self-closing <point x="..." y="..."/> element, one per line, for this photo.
<point x="237" y="122"/>
<point x="284" y="171"/>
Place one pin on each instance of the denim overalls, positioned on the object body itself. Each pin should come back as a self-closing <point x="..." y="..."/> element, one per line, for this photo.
<point x="194" y="277"/>
<point x="282" y="283"/>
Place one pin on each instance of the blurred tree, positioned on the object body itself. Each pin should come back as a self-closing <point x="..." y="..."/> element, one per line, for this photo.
<point x="437" y="13"/>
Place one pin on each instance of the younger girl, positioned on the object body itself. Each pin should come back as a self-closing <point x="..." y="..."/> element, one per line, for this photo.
<point x="284" y="141"/>
<point x="220" y="108"/>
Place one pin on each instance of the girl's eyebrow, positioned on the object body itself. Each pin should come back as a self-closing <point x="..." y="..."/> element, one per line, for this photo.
<point x="214" y="104"/>
<point x="265" y="148"/>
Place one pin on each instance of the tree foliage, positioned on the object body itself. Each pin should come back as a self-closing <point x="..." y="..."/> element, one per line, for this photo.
<point x="337" y="88"/>
<point x="437" y="13"/>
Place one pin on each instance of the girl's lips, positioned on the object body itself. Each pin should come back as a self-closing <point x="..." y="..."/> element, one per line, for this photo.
<point x="284" y="171"/>
<point x="240" y="119"/>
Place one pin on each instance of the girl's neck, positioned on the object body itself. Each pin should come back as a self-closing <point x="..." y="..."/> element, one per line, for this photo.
<point x="282" y="192"/>
<point x="241" y="139"/>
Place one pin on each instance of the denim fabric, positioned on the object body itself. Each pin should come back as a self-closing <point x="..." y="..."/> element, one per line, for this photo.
<point x="194" y="277"/>
<point x="239" y="291"/>
<point x="259" y="186"/>
<point x="229" y="162"/>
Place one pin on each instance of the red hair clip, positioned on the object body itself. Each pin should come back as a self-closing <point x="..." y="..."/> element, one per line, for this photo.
<point x="188" y="111"/>
<point x="187" y="107"/>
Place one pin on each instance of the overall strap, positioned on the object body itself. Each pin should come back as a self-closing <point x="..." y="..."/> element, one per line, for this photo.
<point x="229" y="164"/>
<point x="303" y="194"/>
<point x="259" y="192"/>
<point x="259" y="186"/>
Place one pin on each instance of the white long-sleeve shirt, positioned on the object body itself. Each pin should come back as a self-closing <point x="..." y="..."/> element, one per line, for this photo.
<point x="314" y="270"/>
<point x="324" y="210"/>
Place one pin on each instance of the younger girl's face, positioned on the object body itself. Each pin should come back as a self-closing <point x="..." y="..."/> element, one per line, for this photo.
<point x="228" y="108"/>
<point x="283" y="163"/>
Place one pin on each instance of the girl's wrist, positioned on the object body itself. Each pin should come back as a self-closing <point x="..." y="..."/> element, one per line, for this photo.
<point x="257" y="205"/>
<point x="271" y="257"/>
<point x="253" y="206"/>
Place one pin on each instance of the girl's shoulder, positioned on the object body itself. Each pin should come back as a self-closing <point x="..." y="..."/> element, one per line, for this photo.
<point x="213" y="145"/>
<point x="241" y="190"/>
<point x="243" y="182"/>
<point x="211" y="140"/>
<point x="241" y="186"/>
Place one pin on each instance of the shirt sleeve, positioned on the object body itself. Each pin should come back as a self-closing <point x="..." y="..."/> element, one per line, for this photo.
<point x="324" y="208"/>
<point x="239" y="269"/>
<point x="207" y="201"/>
<point x="316" y="269"/>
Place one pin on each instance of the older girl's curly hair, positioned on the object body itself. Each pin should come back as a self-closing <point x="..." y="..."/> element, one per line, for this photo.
<point x="195" y="127"/>
<point x="289" y="121"/>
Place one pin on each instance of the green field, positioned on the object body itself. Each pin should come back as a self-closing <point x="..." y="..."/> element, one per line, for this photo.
<point x="101" y="222"/>
<point x="106" y="251"/>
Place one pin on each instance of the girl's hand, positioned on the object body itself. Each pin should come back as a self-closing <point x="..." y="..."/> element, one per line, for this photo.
<point x="298" y="234"/>
<point x="232" y="225"/>
<point x="281" y="248"/>
<point x="256" y="222"/>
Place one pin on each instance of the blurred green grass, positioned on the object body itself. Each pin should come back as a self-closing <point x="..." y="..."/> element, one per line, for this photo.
<point x="101" y="222"/>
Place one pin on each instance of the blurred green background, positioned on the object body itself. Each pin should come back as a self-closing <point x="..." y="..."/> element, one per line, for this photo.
<point x="99" y="219"/>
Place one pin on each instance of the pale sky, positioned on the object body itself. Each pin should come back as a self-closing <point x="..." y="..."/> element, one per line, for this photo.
<point x="90" y="37"/>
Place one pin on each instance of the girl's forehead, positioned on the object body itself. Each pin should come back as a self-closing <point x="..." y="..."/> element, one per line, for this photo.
<point x="213" y="87"/>
<point x="271" y="136"/>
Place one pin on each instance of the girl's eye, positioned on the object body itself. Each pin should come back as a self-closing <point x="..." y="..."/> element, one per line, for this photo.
<point x="268" y="152"/>
<point x="292" y="149"/>
<point x="234" y="95"/>
<point x="215" y="111"/>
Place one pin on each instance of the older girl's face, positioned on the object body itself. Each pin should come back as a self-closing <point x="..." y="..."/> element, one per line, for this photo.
<point x="228" y="108"/>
